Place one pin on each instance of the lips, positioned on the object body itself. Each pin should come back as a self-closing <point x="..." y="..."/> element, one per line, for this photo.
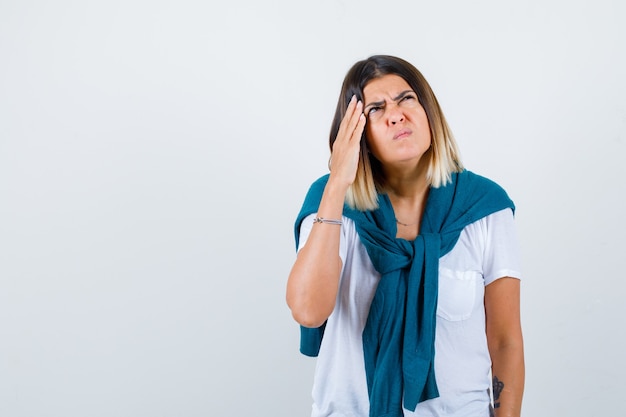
<point x="402" y="134"/>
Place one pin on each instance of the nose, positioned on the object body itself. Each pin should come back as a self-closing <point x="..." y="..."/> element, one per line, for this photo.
<point x="395" y="115"/>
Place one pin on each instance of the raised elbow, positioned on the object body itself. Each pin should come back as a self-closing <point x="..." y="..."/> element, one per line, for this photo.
<point x="309" y="319"/>
<point x="308" y="313"/>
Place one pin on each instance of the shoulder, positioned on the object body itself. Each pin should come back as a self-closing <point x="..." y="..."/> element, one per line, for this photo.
<point x="473" y="180"/>
<point x="314" y="194"/>
<point x="319" y="184"/>
<point x="476" y="186"/>
<point x="311" y="203"/>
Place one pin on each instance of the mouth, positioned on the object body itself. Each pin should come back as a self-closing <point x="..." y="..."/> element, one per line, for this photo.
<point x="402" y="134"/>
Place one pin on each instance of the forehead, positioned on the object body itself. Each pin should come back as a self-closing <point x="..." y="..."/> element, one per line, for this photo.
<point x="388" y="85"/>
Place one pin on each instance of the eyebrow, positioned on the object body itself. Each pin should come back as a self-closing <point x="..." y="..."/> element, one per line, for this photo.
<point x="380" y="103"/>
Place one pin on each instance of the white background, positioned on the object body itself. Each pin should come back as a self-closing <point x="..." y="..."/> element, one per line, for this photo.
<point x="154" y="154"/>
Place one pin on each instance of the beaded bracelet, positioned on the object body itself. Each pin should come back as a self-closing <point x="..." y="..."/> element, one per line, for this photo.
<point x="327" y="221"/>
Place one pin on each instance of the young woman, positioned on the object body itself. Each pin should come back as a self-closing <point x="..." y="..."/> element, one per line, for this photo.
<point x="406" y="283"/>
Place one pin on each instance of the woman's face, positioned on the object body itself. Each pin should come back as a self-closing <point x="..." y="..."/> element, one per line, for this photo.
<point x="397" y="128"/>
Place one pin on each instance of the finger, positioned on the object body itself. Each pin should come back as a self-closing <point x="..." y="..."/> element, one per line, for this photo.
<point x="348" y="122"/>
<point x="351" y="120"/>
<point x="360" y="126"/>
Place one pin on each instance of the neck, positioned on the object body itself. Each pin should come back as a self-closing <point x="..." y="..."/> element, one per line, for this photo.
<point x="409" y="185"/>
<point x="408" y="194"/>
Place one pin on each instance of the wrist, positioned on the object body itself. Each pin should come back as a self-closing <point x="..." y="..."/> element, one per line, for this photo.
<point x="337" y="186"/>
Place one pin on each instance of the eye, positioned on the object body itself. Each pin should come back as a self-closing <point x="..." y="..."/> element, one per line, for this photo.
<point x="408" y="97"/>
<point x="372" y="110"/>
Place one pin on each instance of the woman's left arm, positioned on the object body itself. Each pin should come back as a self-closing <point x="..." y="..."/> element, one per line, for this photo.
<point x="506" y="346"/>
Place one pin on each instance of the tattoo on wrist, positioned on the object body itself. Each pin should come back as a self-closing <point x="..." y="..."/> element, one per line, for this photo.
<point x="497" y="390"/>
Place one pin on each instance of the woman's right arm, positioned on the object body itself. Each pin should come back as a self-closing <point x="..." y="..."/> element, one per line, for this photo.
<point x="314" y="278"/>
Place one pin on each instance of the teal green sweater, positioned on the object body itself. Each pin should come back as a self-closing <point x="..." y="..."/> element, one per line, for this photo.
<point x="399" y="336"/>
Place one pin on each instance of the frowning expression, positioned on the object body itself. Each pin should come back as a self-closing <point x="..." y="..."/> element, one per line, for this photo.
<point x="397" y="127"/>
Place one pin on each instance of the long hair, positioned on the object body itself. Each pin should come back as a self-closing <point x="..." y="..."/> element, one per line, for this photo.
<point x="444" y="156"/>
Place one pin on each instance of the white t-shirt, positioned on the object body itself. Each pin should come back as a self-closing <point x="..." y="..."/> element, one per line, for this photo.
<point x="486" y="250"/>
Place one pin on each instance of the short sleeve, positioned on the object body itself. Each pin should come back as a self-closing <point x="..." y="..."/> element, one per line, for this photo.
<point x="501" y="252"/>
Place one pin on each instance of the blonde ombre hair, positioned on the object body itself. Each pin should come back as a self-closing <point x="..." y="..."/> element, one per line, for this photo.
<point x="444" y="156"/>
